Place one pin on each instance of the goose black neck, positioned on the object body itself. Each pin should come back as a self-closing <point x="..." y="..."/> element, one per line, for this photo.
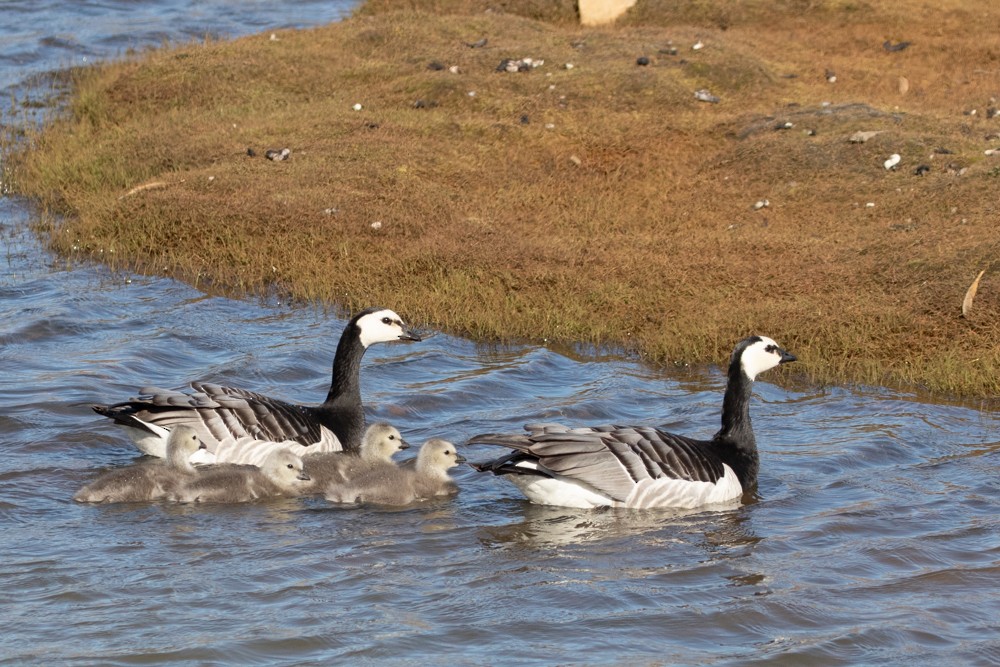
<point x="736" y="426"/>
<point x="345" y="385"/>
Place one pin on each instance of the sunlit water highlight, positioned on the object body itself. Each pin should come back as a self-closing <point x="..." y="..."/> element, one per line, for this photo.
<point x="873" y="540"/>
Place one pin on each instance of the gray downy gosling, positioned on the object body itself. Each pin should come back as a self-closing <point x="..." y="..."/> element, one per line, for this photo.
<point x="396" y="485"/>
<point x="280" y="475"/>
<point x="149" y="480"/>
<point x="380" y="442"/>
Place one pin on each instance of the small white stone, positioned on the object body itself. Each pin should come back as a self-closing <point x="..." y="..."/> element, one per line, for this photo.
<point x="357" y="107"/>
<point x="550" y="126"/>
<point x="472" y="93"/>
<point x="892" y="161"/>
<point x="377" y="225"/>
<point x="454" y="69"/>
<point x="274" y="37"/>
<point x="568" y="66"/>
<point x="697" y="46"/>
<point x="870" y="204"/>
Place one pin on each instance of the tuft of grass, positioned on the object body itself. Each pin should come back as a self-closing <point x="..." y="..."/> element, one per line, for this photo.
<point x="600" y="204"/>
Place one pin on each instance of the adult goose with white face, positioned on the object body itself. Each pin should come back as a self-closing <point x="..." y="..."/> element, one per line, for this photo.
<point x="641" y="466"/>
<point x="232" y="420"/>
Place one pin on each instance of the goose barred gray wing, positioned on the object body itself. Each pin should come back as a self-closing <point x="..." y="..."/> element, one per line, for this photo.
<point x="222" y="414"/>
<point x="631" y="466"/>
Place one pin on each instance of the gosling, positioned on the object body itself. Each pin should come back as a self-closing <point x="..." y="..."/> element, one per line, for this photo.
<point x="151" y="480"/>
<point x="395" y="485"/>
<point x="380" y="442"/>
<point x="281" y="474"/>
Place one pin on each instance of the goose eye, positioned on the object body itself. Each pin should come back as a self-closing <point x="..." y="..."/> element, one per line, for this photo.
<point x="773" y="349"/>
<point x="386" y="320"/>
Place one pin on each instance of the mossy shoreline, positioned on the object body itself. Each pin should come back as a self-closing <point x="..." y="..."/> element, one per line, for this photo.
<point x="589" y="200"/>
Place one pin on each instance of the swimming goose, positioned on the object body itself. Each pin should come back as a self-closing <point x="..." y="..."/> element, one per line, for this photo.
<point x="641" y="466"/>
<point x="281" y="475"/>
<point x="238" y="418"/>
<point x="380" y="442"/>
<point x="151" y="480"/>
<point x="389" y="484"/>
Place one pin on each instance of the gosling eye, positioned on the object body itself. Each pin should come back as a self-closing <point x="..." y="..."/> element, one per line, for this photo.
<point x="291" y="467"/>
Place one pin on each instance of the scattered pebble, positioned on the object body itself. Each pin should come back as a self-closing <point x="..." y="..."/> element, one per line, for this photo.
<point x="698" y="46"/>
<point x="436" y="66"/>
<point x="357" y="107"/>
<point x="892" y="161"/>
<point x="903" y="85"/>
<point x="478" y="44"/>
<point x="761" y="203"/>
<point x="704" y="96"/>
<point x="831" y="76"/>
<point x="454" y="69"/>
<point x="575" y="160"/>
<point x="787" y="125"/>
<point x="274" y="37"/>
<point x="251" y="152"/>
<point x="377" y="225"/>
<point x="568" y="66"/>
<point x="211" y="178"/>
<point x="277" y="155"/>
<point x="992" y="151"/>
<point x="331" y="211"/>
<point x="642" y="61"/>
<point x="550" y="126"/>
<point x="921" y="170"/>
<point x="669" y="51"/>
<point x="870" y="204"/>
<point x="525" y="119"/>
<point x="471" y="93"/>
<point x="890" y="47"/>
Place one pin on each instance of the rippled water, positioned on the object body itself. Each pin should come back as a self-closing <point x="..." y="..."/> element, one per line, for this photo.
<point x="874" y="539"/>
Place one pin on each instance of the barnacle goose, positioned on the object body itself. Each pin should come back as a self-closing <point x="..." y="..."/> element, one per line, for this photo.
<point x="280" y="475"/>
<point x="641" y="466"/>
<point x="237" y="420"/>
<point x="389" y="484"/>
<point x="150" y="480"/>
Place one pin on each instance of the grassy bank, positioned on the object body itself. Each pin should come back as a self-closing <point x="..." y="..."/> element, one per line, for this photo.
<point x="590" y="199"/>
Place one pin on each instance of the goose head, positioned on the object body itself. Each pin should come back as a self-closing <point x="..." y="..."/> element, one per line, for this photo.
<point x="381" y="325"/>
<point x="284" y="468"/>
<point x="381" y="441"/>
<point x="757" y="354"/>
<point x="438" y="455"/>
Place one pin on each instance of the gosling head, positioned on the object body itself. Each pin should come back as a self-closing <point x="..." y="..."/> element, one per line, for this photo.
<point x="381" y="441"/>
<point x="437" y="455"/>
<point x="284" y="468"/>
<point x="181" y="445"/>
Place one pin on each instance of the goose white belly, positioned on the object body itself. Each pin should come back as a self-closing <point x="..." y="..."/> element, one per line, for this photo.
<point x="562" y="491"/>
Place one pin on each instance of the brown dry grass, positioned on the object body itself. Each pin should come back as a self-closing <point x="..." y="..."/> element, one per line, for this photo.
<point x="620" y="213"/>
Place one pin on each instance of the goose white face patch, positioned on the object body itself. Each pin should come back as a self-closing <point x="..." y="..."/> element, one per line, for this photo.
<point x="763" y="355"/>
<point x="382" y="326"/>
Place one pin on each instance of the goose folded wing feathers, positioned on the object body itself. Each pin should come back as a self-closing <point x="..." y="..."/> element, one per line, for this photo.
<point x="261" y="416"/>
